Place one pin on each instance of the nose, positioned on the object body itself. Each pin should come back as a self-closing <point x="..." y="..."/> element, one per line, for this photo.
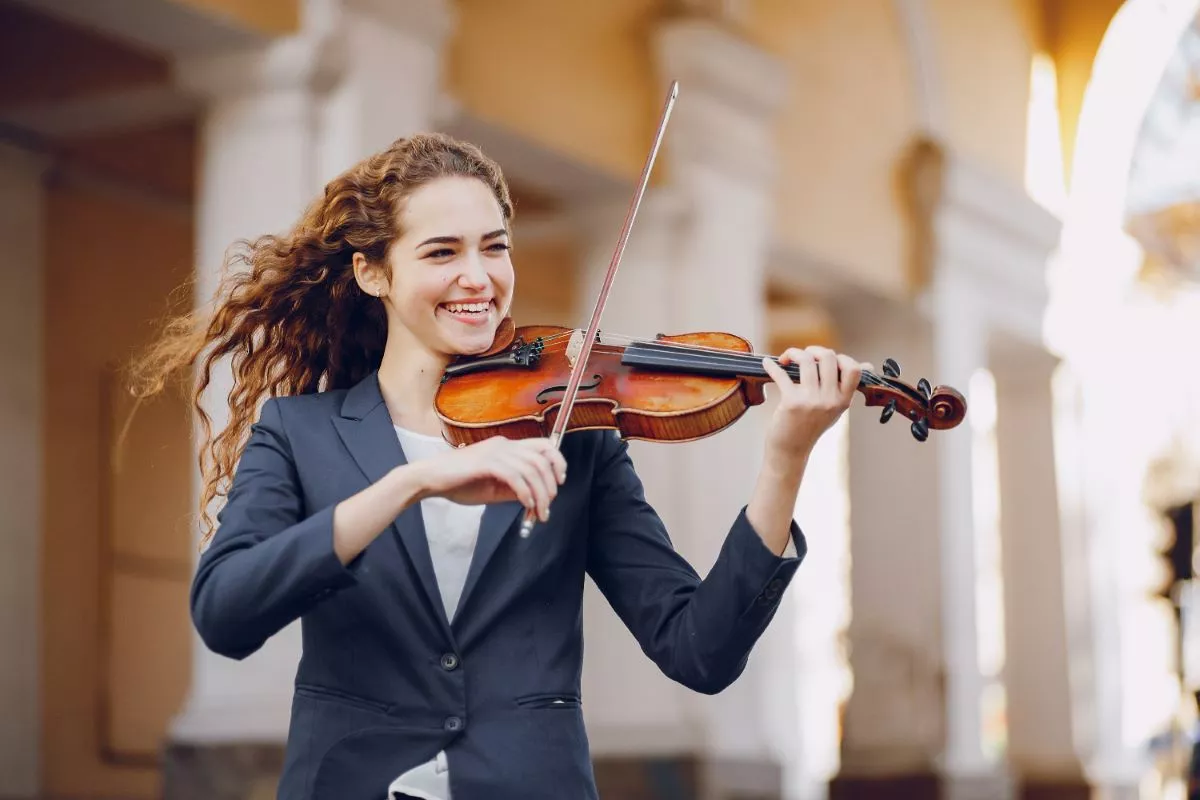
<point x="473" y="275"/>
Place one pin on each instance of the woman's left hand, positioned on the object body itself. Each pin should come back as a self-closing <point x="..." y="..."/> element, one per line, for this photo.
<point x="809" y="407"/>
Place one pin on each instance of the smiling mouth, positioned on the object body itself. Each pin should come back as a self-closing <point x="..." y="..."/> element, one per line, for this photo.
<point x="467" y="312"/>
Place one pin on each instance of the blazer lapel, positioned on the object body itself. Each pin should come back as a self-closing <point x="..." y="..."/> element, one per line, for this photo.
<point x="366" y="429"/>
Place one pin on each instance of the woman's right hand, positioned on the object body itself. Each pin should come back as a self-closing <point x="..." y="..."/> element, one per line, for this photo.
<point x="497" y="470"/>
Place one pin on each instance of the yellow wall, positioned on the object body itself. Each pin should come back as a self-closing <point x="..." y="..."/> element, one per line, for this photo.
<point x="847" y="118"/>
<point x="546" y="281"/>
<point x="582" y="81"/>
<point x="575" y="76"/>
<point x="117" y="555"/>
<point x="984" y="50"/>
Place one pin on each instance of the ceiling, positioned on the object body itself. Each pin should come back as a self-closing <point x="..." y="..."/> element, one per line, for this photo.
<point x="1163" y="206"/>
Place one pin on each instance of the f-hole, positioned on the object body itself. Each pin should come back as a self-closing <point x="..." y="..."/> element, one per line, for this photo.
<point x="596" y="379"/>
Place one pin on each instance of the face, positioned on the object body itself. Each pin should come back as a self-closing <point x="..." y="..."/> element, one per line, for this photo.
<point x="451" y="276"/>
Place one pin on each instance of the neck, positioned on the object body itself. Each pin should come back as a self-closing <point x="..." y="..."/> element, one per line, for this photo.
<point x="409" y="376"/>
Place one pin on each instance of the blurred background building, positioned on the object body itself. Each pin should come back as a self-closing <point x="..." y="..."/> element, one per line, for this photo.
<point x="1002" y="195"/>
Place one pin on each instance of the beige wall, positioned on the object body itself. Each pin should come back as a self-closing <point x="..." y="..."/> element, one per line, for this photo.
<point x="849" y="117"/>
<point x="546" y="281"/>
<point x="849" y="114"/>
<point x="116" y="639"/>
<point x="984" y="51"/>
<point x="591" y="91"/>
<point x="575" y="77"/>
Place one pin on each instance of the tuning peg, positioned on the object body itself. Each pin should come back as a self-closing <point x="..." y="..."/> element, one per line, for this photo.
<point x="920" y="430"/>
<point x="924" y="388"/>
<point x="888" y="410"/>
<point x="891" y="368"/>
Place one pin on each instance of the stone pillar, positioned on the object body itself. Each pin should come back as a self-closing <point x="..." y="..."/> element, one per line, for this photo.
<point x="895" y="722"/>
<point x="720" y="158"/>
<point x="928" y="629"/>
<point x="697" y="261"/>
<point x="391" y="82"/>
<point x="279" y="122"/>
<point x="972" y="633"/>
<point x="632" y="711"/>
<point x="1042" y="745"/>
<point x="21" y="278"/>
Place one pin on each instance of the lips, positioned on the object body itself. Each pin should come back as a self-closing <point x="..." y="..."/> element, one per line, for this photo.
<point x="468" y="311"/>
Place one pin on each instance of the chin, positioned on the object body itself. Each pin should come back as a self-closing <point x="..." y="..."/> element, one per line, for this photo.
<point x="467" y="343"/>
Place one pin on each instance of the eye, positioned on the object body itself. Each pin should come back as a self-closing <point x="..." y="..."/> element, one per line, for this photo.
<point x="441" y="252"/>
<point x="499" y="247"/>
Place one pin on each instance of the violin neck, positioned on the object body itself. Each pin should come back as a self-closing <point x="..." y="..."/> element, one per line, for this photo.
<point x="703" y="361"/>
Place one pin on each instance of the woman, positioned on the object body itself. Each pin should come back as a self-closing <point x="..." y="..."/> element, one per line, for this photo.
<point x="442" y="652"/>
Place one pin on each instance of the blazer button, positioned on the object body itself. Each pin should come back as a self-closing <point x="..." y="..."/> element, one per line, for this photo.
<point x="449" y="661"/>
<point x="453" y="724"/>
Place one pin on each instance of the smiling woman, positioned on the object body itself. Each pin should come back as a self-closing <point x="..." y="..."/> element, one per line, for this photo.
<point x="423" y="613"/>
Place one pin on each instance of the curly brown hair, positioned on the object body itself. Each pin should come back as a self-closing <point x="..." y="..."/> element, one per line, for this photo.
<point x="295" y="321"/>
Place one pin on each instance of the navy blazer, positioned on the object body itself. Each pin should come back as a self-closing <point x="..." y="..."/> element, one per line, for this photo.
<point x="386" y="680"/>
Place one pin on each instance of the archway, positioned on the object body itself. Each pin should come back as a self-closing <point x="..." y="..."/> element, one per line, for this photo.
<point x="1119" y="327"/>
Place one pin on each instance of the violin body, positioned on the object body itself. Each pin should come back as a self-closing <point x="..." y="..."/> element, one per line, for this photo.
<point x="668" y="389"/>
<point x="519" y="401"/>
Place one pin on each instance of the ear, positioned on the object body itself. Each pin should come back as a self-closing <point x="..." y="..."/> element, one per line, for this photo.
<point x="370" y="276"/>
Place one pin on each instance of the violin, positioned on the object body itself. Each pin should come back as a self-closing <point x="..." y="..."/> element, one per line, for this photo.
<point x="546" y="380"/>
<point x="667" y="389"/>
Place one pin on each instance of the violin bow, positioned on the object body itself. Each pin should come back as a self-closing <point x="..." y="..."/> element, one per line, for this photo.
<point x="568" y="402"/>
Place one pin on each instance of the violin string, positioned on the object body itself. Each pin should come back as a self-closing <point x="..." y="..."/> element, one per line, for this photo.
<point x="675" y="354"/>
<point x="608" y="343"/>
<point x="614" y="339"/>
<point x="715" y="358"/>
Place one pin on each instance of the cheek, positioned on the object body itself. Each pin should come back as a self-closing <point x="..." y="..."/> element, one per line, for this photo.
<point x="430" y="290"/>
<point x="502" y="276"/>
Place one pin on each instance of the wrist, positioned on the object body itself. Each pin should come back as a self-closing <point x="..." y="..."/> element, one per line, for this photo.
<point x="408" y="484"/>
<point x="786" y="464"/>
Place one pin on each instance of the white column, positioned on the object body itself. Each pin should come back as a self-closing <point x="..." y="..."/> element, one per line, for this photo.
<point x="928" y="643"/>
<point x="896" y="718"/>
<point x="972" y="658"/>
<point x="987" y="306"/>
<point x="392" y="51"/>
<point x="258" y="170"/>
<point x="696" y="261"/>
<point x="21" y="357"/>
<point x="916" y="709"/>
<point x="281" y="121"/>
<point x="1041" y="734"/>
<point x="630" y="708"/>
<point x="719" y="159"/>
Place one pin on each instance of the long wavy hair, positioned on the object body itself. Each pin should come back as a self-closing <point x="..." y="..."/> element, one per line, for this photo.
<point x="288" y="312"/>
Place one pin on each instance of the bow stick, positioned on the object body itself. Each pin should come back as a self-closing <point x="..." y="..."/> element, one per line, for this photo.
<point x="568" y="402"/>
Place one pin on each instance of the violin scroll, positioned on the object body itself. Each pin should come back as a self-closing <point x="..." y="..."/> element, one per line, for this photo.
<point x="928" y="407"/>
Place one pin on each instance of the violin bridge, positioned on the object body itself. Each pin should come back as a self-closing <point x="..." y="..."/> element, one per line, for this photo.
<point x="574" y="346"/>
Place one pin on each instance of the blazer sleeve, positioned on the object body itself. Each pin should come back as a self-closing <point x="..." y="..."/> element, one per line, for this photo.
<point x="699" y="632"/>
<point x="268" y="563"/>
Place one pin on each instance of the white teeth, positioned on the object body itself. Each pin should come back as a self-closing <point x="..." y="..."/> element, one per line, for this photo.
<point x="467" y="307"/>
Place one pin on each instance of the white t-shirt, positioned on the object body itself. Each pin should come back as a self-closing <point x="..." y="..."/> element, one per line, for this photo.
<point x="451" y="530"/>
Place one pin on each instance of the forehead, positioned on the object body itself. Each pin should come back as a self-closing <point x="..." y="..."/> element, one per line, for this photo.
<point x="451" y="206"/>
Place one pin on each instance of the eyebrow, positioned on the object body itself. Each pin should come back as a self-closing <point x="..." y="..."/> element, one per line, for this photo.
<point x="457" y="239"/>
